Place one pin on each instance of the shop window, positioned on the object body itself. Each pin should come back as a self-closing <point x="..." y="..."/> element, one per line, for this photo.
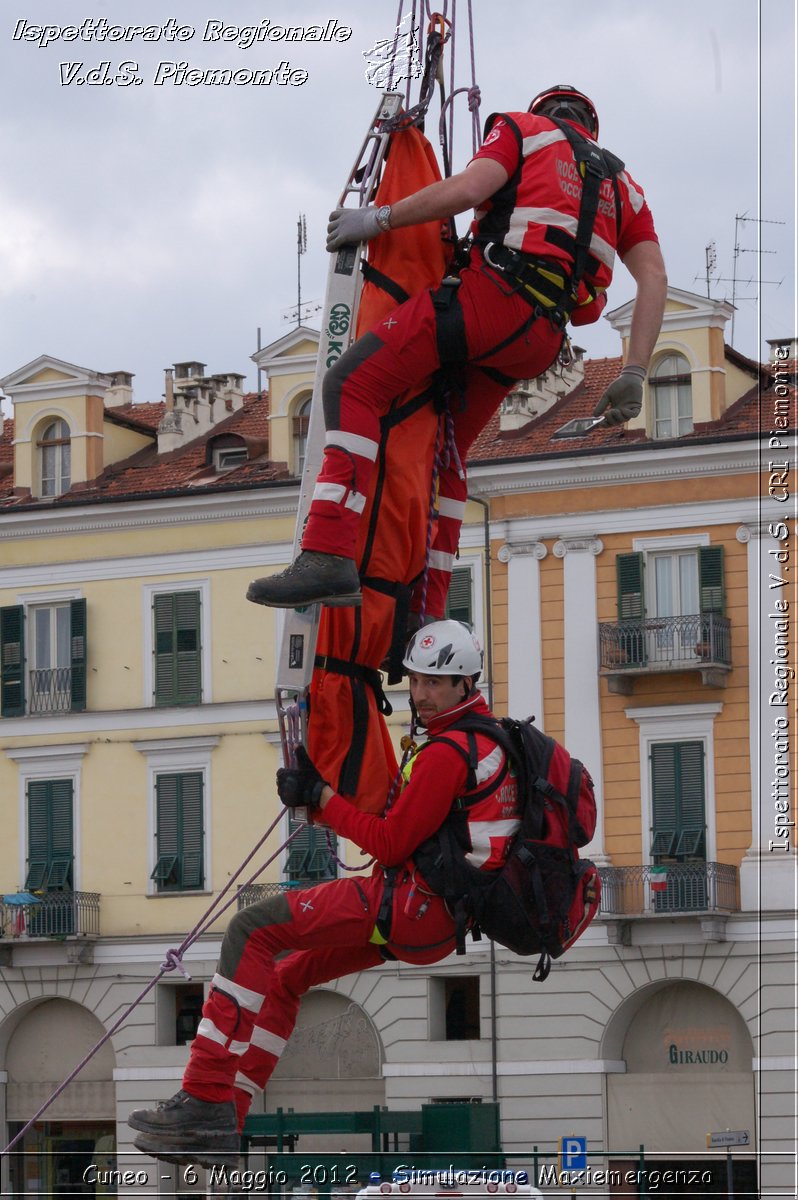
<point x="179" y="833"/>
<point x="672" y="393"/>
<point x="54" y="451"/>
<point x="177" y="648"/>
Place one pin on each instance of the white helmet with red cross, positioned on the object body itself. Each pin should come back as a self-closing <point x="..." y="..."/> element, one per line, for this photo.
<point x="444" y="648"/>
<point x="568" y="103"/>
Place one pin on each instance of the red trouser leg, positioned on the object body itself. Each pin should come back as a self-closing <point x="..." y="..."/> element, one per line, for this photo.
<point x="401" y="355"/>
<point x="340" y="914"/>
<point x="293" y="976"/>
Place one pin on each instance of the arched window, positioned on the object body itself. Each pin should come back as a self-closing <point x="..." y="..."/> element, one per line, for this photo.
<point x="55" y="459"/>
<point x="300" y="427"/>
<point x="672" y="394"/>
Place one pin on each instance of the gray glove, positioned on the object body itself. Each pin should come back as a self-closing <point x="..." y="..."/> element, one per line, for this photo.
<point x="347" y="226"/>
<point x="623" y="399"/>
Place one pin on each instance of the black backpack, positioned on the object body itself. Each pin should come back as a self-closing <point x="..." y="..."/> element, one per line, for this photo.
<point x="544" y="896"/>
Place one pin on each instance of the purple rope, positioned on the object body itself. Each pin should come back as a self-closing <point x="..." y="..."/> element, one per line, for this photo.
<point x="173" y="961"/>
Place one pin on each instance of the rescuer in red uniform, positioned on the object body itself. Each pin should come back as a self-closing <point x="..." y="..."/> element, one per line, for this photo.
<point x="347" y="924"/>
<point x="504" y="322"/>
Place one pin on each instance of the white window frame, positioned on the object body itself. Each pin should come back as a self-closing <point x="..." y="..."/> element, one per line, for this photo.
<point x="676" y="723"/>
<point x="149" y="592"/>
<point x="655" y="390"/>
<point x="31" y="600"/>
<point x="58" y="446"/>
<point x="42" y="763"/>
<point x="178" y="756"/>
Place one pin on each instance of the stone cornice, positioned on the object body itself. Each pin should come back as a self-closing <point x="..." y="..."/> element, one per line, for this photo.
<point x="136" y="514"/>
<point x="632" y="466"/>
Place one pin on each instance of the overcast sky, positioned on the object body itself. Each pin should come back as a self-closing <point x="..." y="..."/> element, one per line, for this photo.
<point x="142" y="225"/>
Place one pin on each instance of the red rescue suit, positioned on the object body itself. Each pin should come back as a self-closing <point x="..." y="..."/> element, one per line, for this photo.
<point x="348" y="924"/>
<point x="503" y="338"/>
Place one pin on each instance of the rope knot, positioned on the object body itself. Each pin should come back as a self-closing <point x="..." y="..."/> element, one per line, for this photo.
<point x="174" y="962"/>
<point x="474" y="98"/>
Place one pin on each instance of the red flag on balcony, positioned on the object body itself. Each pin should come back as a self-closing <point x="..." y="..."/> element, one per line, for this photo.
<point x="659" y="879"/>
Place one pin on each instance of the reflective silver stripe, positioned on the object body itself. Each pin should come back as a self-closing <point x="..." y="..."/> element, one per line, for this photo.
<point x="356" y="501"/>
<point x="636" y="198"/>
<point x="440" y="561"/>
<point x="207" y="1029"/>
<point x="352" y="442"/>
<point x="451" y="508"/>
<point x="267" y="1041"/>
<point x="489" y="765"/>
<point x="481" y="833"/>
<point x="246" y="1084"/>
<point x="334" y="492"/>
<point x="539" y="141"/>
<point x="522" y="217"/>
<point x="245" y="996"/>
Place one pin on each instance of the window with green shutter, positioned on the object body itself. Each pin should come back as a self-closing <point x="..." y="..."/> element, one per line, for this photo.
<point x="178" y="650"/>
<point x="310" y="854"/>
<point x="50" y="863"/>
<point x="711" y="593"/>
<point x="12" y="661"/>
<point x="460" y="598"/>
<point x="678" y="814"/>
<point x="179" y="832"/>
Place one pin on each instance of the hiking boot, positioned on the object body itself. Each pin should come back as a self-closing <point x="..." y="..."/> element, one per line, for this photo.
<point x="199" y="1122"/>
<point x="171" y="1149"/>
<point x="312" y="578"/>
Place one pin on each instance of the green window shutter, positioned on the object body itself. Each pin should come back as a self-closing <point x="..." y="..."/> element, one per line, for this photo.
<point x="459" y="600"/>
<point x="710" y="580"/>
<point x="178" y="653"/>
<point x="12" y="661"/>
<point x="631" y="598"/>
<point x="180" y="857"/>
<point x="678" y="800"/>
<point x="310" y="857"/>
<point x="50" y="834"/>
<point x="77" y="654"/>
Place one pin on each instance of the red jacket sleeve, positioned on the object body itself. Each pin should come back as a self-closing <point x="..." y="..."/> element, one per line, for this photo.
<point x="437" y="779"/>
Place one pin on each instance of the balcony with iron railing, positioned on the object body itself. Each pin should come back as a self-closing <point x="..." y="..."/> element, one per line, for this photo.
<point x="51" y="690"/>
<point x="58" y="914"/>
<point x="669" y="889"/>
<point x="698" y="642"/>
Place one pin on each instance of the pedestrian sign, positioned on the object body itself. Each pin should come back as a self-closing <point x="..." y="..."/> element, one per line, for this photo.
<point x="572" y="1154"/>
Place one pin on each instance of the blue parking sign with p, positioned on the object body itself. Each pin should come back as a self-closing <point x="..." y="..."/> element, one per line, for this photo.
<point x="573" y="1153"/>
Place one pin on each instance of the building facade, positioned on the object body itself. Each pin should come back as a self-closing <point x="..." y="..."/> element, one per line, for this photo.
<point x="629" y="587"/>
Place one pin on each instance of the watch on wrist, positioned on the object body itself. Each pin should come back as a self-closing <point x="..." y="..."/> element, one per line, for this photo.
<point x="384" y="217"/>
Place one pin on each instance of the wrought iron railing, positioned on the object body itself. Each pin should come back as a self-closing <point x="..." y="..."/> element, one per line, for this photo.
<point x="669" y="888"/>
<point x="662" y="643"/>
<point x="51" y="690"/>
<point x="55" y="914"/>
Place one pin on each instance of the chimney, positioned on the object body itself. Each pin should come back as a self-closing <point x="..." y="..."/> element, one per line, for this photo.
<point x="170" y="428"/>
<point x="530" y="398"/>
<point x="120" y="390"/>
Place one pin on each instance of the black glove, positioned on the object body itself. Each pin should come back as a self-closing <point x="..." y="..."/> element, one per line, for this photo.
<point x="623" y="399"/>
<point x="300" y="786"/>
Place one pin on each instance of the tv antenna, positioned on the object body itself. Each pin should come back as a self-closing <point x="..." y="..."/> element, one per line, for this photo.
<point x="310" y="306"/>
<point x="738" y="250"/>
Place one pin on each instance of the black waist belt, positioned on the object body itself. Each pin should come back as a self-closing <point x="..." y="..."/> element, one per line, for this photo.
<point x="542" y="281"/>
<point x="342" y="666"/>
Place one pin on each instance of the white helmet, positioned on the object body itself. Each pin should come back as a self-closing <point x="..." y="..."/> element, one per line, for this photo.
<point x="444" y="648"/>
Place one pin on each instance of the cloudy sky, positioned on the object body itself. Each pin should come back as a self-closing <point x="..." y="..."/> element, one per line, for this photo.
<point x="144" y="223"/>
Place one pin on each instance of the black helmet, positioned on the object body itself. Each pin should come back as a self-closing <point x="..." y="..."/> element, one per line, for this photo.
<point x="567" y="102"/>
